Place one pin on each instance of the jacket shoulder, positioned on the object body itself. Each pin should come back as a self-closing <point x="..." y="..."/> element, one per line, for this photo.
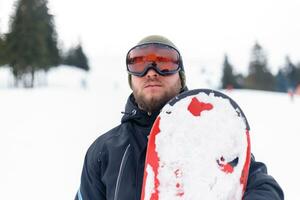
<point x="106" y="138"/>
<point x="113" y="138"/>
<point x="92" y="186"/>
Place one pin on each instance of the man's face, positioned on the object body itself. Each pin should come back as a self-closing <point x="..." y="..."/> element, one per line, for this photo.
<point x="153" y="91"/>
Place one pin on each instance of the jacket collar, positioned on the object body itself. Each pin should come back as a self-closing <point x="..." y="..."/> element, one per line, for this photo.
<point x="143" y="123"/>
<point x="135" y="114"/>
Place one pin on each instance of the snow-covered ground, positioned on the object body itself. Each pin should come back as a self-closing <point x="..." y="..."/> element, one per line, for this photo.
<point x="45" y="132"/>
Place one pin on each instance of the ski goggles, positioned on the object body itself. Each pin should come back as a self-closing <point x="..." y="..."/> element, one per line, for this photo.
<point x="164" y="59"/>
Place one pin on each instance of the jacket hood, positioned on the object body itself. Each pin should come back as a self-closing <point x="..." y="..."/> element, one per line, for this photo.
<point x="134" y="113"/>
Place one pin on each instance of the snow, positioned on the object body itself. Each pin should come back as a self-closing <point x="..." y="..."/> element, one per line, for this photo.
<point x="6" y="78"/>
<point x="149" y="185"/>
<point x="67" y="76"/>
<point x="45" y="132"/>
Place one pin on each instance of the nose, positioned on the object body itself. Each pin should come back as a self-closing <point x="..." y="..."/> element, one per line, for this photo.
<point x="151" y="73"/>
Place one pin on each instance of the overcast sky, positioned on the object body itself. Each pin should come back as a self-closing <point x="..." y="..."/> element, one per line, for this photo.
<point x="203" y="30"/>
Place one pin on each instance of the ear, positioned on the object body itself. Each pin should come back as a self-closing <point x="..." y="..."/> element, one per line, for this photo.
<point x="129" y="80"/>
<point x="182" y="78"/>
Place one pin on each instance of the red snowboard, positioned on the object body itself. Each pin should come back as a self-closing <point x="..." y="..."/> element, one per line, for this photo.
<point x="198" y="148"/>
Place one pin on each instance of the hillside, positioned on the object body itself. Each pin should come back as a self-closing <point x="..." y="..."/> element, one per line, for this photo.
<point x="45" y="133"/>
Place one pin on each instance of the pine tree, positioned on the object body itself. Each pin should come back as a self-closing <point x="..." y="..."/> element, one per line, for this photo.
<point x="259" y="76"/>
<point x="2" y="52"/>
<point x="77" y="58"/>
<point x="298" y="75"/>
<point x="228" y="78"/>
<point x="281" y="81"/>
<point x="31" y="41"/>
<point x="291" y="73"/>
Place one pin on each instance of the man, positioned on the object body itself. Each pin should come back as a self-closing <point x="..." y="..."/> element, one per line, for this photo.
<point x="114" y="163"/>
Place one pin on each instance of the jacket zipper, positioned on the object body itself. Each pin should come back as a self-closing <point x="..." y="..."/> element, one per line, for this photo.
<point x="124" y="159"/>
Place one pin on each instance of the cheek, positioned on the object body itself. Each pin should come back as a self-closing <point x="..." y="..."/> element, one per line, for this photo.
<point x="175" y="80"/>
<point x="136" y="83"/>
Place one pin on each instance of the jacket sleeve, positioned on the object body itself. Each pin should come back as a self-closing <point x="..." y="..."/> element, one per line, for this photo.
<point x="91" y="186"/>
<point x="260" y="185"/>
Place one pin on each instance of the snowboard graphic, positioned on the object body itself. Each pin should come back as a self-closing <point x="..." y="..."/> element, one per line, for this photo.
<point x="198" y="148"/>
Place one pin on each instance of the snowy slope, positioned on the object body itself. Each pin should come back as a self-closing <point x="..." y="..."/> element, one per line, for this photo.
<point x="274" y="122"/>
<point x="45" y="132"/>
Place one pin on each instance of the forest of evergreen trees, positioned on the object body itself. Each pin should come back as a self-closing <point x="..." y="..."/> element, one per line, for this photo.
<point x="259" y="76"/>
<point x="31" y="43"/>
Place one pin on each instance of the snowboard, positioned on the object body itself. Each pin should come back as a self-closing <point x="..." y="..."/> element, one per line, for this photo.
<point x="198" y="148"/>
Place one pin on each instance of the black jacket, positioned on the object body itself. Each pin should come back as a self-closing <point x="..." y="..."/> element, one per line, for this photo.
<point x="114" y="164"/>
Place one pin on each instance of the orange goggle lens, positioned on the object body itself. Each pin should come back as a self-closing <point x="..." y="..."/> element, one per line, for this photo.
<point x="162" y="58"/>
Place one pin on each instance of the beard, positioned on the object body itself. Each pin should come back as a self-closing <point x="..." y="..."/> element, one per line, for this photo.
<point x="155" y="103"/>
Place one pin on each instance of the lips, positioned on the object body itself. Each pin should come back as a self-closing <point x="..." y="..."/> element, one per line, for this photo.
<point x="152" y="85"/>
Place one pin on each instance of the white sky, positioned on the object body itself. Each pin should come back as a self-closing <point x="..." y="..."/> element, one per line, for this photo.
<point x="203" y="30"/>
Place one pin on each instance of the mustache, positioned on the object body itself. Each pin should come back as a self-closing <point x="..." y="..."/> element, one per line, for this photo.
<point x="152" y="80"/>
